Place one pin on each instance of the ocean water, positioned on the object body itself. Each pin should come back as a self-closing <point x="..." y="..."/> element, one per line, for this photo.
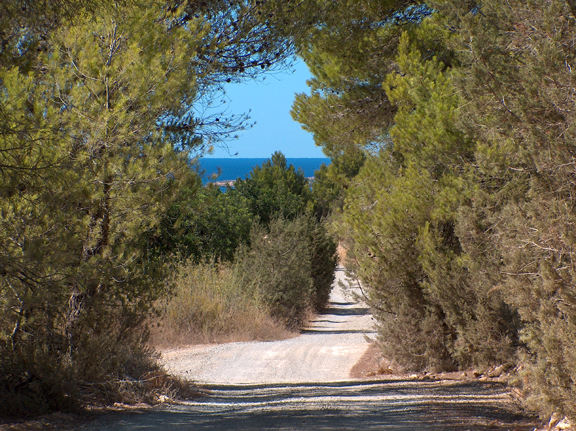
<point x="232" y="169"/>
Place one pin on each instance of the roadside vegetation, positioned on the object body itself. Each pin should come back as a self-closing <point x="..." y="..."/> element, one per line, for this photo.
<point x="450" y="127"/>
<point x="259" y="285"/>
<point x="207" y="305"/>
<point x="101" y="125"/>
<point x="460" y="222"/>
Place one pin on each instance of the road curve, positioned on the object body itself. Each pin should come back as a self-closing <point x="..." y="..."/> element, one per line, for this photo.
<point x="304" y="383"/>
<point x="325" y="352"/>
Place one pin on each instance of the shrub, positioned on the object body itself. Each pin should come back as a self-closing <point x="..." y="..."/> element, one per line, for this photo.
<point x="323" y="260"/>
<point x="331" y="181"/>
<point x="277" y="269"/>
<point x="203" y="224"/>
<point x="35" y="379"/>
<point x="274" y="189"/>
<point x="209" y="305"/>
<point x="289" y="267"/>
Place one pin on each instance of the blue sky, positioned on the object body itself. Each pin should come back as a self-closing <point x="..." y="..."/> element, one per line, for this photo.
<point x="270" y="101"/>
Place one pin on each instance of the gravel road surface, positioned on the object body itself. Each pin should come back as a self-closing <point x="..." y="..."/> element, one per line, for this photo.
<point x="325" y="352"/>
<point x="304" y="383"/>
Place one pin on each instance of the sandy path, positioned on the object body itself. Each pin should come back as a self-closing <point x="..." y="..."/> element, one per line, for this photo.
<point x="303" y="384"/>
<point x="325" y="352"/>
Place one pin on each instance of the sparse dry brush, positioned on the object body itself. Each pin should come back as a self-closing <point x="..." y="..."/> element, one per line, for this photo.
<point x="209" y="305"/>
<point x="268" y="291"/>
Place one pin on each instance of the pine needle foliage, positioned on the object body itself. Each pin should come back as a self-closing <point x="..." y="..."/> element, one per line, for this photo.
<point x="202" y="225"/>
<point x="289" y="267"/>
<point x="460" y="223"/>
<point x="519" y="85"/>
<point x="100" y="108"/>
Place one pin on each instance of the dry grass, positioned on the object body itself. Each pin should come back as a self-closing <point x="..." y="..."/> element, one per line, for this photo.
<point x="208" y="307"/>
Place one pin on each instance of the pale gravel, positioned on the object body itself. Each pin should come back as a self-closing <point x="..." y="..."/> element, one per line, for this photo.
<point x="325" y="352"/>
<point x="303" y="383"/>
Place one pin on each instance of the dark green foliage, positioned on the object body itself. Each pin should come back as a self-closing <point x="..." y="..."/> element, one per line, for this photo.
<point x="275" y="190"/>
<point x="331" y="182"/>
<point x="88" y="168"/>
<point x="400" y="217"/>
<point x="96" y="176"/>
<point x="289" y="267"/>
<point x="349" y="54"/>
<point x="461" y="224"/>
<point x="386" y="207"/>
<point x="518" y="83"/>
<point x="277" y="269"/>
<point x="203" y="224"/>
<point x="25" y="24"/>
<point x="326" y="193"/>
<point x="323" y="261"/>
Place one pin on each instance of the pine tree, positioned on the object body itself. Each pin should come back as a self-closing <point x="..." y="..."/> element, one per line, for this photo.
<point x="349" y="54"/>
<point x="275" y="189"/>
<point x="98" y="171"/>
<point x="331" y="181"/>
<point x="407" y="249"/>
<point x="518" y="86"/>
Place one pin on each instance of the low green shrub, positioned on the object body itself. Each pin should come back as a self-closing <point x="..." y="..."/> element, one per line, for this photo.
<point x="201" y="225"/>
<point x="323" y="261"/>
<point x="276" y="269"/>
<point x="289" y="267"/>
<point x="274" y="189"/>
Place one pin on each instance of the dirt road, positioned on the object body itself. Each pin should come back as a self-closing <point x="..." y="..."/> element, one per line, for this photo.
<point x="304" y="383"/>
<point x="325" y="352"/>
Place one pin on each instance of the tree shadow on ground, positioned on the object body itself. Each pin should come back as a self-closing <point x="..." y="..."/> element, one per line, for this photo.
<point x="383" y="405"/>
<point x="352" y="311"/>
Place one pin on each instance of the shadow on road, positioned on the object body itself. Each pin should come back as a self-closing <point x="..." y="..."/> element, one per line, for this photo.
<point x="342" y="304"/>
<point x="319" y="330"/>
<point x="353" y="311"/>
<point x="384" y="405"/>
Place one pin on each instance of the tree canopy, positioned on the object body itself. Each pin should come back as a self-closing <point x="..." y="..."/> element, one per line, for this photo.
<point x="460" y="221"/>
<point x="101" y="118"/>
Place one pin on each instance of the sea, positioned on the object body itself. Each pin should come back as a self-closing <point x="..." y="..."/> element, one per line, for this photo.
<point x="231" y="169"/>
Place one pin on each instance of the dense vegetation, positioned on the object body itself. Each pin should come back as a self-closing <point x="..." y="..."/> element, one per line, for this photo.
<point x="101" y="120"/>
<point x="461" y="220"/>
<point x="452" y="184"/>
<point x="257" y="241"/>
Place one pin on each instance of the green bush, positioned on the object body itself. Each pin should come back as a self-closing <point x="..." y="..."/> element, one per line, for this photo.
<point x="289" y="267"/>
<point x="274" y="189"/>
<point x="331" y="181"/>
<point x="323" y="261"/>
<point x="202" y="225"/>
